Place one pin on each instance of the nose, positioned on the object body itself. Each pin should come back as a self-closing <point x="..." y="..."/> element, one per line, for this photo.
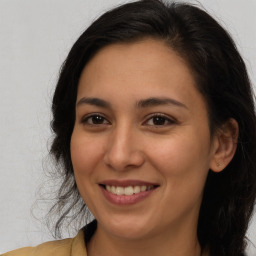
<point x="124" y="150"/>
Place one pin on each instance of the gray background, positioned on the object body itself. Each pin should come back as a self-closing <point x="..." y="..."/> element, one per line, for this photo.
<point x="35" y="37"/>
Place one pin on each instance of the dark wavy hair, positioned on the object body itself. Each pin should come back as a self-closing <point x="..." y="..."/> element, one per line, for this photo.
<point x="222" y="79"/>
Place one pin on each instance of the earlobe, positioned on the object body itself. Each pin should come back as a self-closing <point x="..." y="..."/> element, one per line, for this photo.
<point x="224" y="145"/>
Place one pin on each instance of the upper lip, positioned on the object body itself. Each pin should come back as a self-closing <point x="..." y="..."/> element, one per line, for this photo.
<point x="126" y="183"/>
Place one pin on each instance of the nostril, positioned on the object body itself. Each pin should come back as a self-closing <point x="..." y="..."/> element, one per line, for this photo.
<point x="121" y="161"/>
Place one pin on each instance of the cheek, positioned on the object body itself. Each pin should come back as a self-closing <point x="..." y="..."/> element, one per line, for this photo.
<point x="85" y="153"/>
<point x="183" y="163"/>
<point x="182" y="156"/>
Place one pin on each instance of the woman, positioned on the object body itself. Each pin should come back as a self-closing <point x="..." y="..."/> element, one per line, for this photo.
<point x="155" y="130"/>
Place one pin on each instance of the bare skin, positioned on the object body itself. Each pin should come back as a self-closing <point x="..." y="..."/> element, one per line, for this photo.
<point x="141" y="120"/>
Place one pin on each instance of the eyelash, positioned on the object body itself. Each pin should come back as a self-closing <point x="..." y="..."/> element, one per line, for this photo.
<point x="86" y="118"/>
<point x="162" y="117"/>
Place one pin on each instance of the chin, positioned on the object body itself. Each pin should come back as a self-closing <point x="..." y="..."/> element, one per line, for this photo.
<point x="127" y="229"/>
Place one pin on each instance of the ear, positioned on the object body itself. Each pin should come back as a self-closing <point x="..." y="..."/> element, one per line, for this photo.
<point x="224" y="145"/>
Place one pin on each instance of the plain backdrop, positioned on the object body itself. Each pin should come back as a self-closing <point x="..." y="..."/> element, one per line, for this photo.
<point x="35" y="37"/>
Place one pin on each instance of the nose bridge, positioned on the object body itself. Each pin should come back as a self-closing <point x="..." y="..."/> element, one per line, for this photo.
<point x="123" y="149"/>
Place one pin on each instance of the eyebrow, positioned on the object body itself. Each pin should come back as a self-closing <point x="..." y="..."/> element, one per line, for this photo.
<point x="145" y="103"/>
<point x="154" y="101"/>
<point x="94" y="101"/>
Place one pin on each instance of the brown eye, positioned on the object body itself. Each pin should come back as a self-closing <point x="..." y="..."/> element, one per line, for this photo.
<point x="95" y="120"/>
<point x="159" y="120"/>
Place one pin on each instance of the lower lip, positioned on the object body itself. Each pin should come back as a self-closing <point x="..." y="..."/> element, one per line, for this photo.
<point x="126" y="200"/>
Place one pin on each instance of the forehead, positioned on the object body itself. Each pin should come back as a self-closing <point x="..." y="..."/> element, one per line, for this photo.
<point x="148" y="61"/>
<point x="125" y="74"/>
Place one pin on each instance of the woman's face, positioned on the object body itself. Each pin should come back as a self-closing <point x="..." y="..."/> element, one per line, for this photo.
<point x="141" y="146"/>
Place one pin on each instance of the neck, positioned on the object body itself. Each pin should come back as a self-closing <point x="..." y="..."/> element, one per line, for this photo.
<point x="175" y="244"/>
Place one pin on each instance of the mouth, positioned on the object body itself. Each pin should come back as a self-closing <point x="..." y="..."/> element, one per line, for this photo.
<point x="127" y="192"/>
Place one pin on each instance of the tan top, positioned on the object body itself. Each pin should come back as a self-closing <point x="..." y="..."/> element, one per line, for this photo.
<point x="66" y="247"/>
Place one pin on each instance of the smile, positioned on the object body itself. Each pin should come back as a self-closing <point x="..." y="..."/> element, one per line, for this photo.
<point x="129" y="190"/>
<point x="126" y="192"/>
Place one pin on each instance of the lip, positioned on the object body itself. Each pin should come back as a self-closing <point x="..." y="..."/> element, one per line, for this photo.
<point x="126" y="183"/>
<point x="123" y="200"/>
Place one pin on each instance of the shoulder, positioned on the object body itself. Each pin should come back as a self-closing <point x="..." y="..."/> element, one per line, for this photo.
<point x="60" y="247"/>
<point x="65" y="247"/>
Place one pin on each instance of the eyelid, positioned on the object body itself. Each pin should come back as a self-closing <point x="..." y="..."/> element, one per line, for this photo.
<point x="85" y="118"/>
<point x="170" y="120"/>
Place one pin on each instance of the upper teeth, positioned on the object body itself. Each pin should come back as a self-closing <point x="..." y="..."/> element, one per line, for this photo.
<point x="127" y="190"/>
